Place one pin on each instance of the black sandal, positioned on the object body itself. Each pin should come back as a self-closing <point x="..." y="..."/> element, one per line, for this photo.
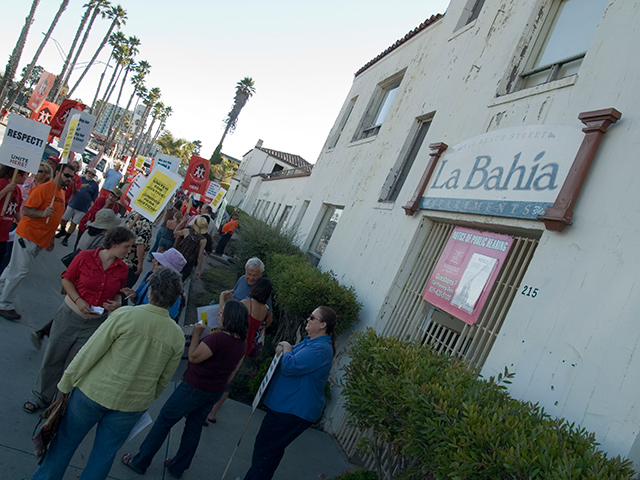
<point x="31" y="407"/>
<point x="126" y="459"/>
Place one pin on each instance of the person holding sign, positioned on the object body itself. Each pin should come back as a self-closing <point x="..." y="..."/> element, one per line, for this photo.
<point x="295" y="397"/>
<point x="42" y="213"/>
<point x="212" y="364"/>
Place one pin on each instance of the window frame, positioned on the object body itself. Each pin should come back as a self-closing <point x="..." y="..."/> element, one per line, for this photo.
<point x="399" y="173"/>
<point x="343" y="122"/>
<point x="368" y="126"/>
<point x="470" y="13"/>
<point x="328" y="211"/>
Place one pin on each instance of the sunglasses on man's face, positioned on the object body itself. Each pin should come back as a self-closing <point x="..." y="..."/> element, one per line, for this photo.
<point x="67" y="175"/>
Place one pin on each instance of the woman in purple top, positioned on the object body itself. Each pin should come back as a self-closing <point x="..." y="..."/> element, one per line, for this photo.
<point x="212" y="364"/>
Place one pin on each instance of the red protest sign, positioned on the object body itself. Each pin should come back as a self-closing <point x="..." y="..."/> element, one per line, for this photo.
<point x="195" y="181"/>
<point x="41" y="91"/>
<point x="60" y="118"/>
<point x="466" y="271"/>
<point x="46" y="113"/>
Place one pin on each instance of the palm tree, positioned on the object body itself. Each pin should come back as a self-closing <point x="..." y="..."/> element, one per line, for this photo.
<point x="118" y="16"/>
<point x="114" y="40"/>
<point x="31" y="66"/>
<point x="152" y="97"/>
<point x="244" y="90"/>
<point x="157" y="109"/>
<point x="14" y="59"/>
<point x="119" y="54"/>
<point x="176" y="147"/>
<point x="94" y="6"/>
<point x="164" y="115"/>
<point x="143" y="68"/>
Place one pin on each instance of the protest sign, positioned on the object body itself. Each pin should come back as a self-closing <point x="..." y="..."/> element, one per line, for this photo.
<point x="41" y="91"/>
<point x="132" y="190"/>
<point x="223" y="207"/>
<point x="209" y="315"/>
<point x="168" y="162"/>
<point x="23" y="144"/>
<point x="265" y="381"/>
<point x="195" y="181"/>
<point x="140" y="162"/>
<point x="217" y="200"/>
<point x="82" y="134"/>
<point x="155" y="193"/>
<point x="67" y="139"/>
<point x="60" y="118"/>
<point x="46" y="113"/>
<point x="210" y="193"/>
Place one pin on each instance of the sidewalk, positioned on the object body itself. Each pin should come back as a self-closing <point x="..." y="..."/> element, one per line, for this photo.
<point x="38" y="299"/>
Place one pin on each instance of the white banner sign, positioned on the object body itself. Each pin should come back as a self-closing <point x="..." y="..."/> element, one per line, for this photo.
<point x="168" y="162"/>
<point x="515" y="172"/>
<point x="265" y="381"/>
<point x="82" y="133"/>
<point x="23" y="144"/>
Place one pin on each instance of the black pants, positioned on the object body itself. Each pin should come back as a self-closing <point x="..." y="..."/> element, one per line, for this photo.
<point x="223" y="243"/>
<point x="276" y="433"/>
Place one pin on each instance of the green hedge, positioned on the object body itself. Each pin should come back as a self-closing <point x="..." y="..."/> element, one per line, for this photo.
<point x="300" y="287"/>
<point x="445" y="422"/>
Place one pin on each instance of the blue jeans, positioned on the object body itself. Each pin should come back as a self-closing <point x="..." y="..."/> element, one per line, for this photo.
<point x="185" y="400"/>
<point x="158" y="237"/>
<point x="276" y="433"/>
<point x="81" y="415"/>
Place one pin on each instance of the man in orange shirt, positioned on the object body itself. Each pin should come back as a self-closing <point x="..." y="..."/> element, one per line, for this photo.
<point x="227" y="232"/>
<point x="42" y="213"/>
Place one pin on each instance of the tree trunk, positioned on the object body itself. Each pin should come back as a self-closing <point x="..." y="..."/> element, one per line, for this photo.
<point x="95" y="55"/>
<point x="121" y="122"/>
<point x="110" y="136"/>
<point x="32" y="65"/>
<point x="95" y="98"/>
<point x="53" y="94"/>
<point x="110" y="87"/>
<point x="14" y="60"/>
<point x="96" y="11"/>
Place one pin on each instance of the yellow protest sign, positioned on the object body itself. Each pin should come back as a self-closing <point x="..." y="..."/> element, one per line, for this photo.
<point x="155" y="193"/>
<point x="140" y="162"/>
<point x="73" y="125"/>
<point x="218" y="198"/>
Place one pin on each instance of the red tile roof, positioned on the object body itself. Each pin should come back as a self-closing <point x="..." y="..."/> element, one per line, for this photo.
<point x="406" y="38"/>
<point x="291" y="159"/>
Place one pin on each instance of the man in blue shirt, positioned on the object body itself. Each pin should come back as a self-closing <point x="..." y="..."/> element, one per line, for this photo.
<point x="79" y="205"/>
<point x="111" y="179"/>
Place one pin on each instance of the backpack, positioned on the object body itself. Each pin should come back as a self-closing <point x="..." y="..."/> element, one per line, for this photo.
<point x="189" y="247"/>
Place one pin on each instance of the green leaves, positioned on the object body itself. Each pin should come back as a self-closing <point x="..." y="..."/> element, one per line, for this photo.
<point x="433" y="409"/>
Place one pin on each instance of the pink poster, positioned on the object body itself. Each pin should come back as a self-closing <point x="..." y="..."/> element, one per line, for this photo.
<point x="466" y="271"/>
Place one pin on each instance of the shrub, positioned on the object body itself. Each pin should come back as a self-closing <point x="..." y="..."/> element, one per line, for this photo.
<point x="300" y="287"/>
<point x="357" y="475"/>
<point x="443" y="421"/>
<point x="259" y="239"/>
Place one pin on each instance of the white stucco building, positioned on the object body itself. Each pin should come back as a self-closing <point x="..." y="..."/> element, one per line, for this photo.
<point x="512" y="118"/>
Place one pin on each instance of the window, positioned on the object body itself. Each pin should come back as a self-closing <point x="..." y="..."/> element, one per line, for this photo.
<point x="277" y="168"/>
<point x="265" y="209"/>
<point x="563" y="41"/>
<point x="379" y="107"/>
<point x="400" y="171"/>
<point x="256" y="208"/>
<point x="301" y="214"/>
<point x="343" y="122"/>
<point x="328" y="224"/>
<point x="274" y="210"/>
<point x="470" y="13"/>
<point x="285" y="216"/>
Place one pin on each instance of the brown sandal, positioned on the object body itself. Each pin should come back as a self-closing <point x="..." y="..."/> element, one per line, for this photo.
<point x="126" y="459"/>
<point x="30" y="407"/>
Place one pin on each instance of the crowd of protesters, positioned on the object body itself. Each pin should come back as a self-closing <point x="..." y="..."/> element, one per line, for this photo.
<point x="113" y="348"/>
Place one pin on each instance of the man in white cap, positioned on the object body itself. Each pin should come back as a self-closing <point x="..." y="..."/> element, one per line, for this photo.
<point x="172" y="259"/>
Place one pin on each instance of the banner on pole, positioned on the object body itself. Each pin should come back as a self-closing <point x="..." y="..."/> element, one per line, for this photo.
<point x="195" y="181"/>
<point x="46" y="113"/>
<point x="265" y="381"/>
<point x="168" y="162"/>
<point x="70" y="129"/>
<point x="155" y="193"/>
<point x="82" y="134"/>
<point x="60" y="118"/>
<point x="23" y="143"/>
<point x="132" y="190"/>
<point x="41" y="91"/>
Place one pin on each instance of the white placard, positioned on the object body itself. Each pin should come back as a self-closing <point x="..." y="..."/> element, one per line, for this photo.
<point x="167" y="161"/>
<point x="23" y="144"/>
<point x="215" y="203"/>
<point x="223" y="207"/>
<point x="83" y="131"/>
<point x="265" y="381"/>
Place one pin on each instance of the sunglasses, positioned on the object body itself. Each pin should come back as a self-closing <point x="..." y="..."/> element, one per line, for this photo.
<point x="67" y="175"/>
<point x="41" y="171"/>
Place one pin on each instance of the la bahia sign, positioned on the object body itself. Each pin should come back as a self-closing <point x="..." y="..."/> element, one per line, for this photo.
<point x="515" y="172"/>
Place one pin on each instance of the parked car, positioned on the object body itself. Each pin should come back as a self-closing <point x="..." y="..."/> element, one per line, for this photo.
<point x="103" y="165"/>
<point x="51" y="150"/>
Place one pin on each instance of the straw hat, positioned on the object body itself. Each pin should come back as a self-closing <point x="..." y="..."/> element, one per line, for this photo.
<point x="105" y="220"/>
<point x="116" y="191"/>
<point x="201" y="225"/>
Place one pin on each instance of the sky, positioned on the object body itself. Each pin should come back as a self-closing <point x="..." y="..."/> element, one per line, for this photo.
<point x="301" y="55"/>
